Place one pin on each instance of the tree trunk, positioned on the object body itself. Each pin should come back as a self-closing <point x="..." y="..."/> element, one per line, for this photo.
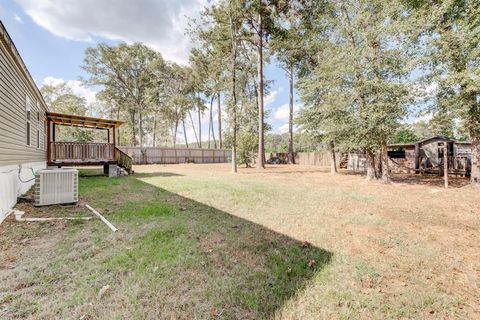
<point x="261" y="145"/>
<point x="333" y="158"/>
<point x="211" y="122"/>
<point x="200" y="126"/>
<point x="175" y="134"/>
<point x="185" y="132"/>
<point x="140" y="126"/>
<point x="291" y="157"/>
<point x="134" y="131"/>
<point x="386" y="177"/>
<point x="219" y="122"/>
<point x="473" y="120"/>
<point x="475" y="168"/>
<point x="154" y="131"/>
<point x="193" y="126"/>
<point x="378" y="164"/>
<point x="370" y="156"/>
<point x="234" y="94"/>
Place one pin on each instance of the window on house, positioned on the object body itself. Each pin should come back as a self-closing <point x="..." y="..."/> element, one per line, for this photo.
<point x="28" y="130"/>
<point x="28" y="108"/>
<point x="38" y="126"/>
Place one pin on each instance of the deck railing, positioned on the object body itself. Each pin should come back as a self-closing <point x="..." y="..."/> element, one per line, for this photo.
<point x="76" y="152"/>
<point x="124" y="160"/>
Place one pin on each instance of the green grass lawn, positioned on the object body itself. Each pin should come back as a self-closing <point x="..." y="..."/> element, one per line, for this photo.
<point x="171" y="258"/>
<point x="197" y="242"/>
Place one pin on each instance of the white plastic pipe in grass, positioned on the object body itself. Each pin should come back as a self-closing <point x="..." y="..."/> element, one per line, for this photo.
<point x="111" y="226"/>
<point x="19" y="217"/>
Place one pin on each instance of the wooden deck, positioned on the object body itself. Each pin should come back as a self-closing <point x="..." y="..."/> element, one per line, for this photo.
<point x="87" y="154"/>
<point x="81" y="153"/>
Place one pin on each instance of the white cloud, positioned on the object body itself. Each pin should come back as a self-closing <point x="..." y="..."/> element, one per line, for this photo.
<point x="76" y="86"/>
<point x="158" y="23"/>
<point x="425" y="117"/>
<point x="17" y="18"/>
<point x="282" y="112"/>
<point x="52" y="81"/>
<point x="431" y="89"/>
<point x="270" y="98"/>
<point x="283" y="128"/>
<point x="82" y="91"/>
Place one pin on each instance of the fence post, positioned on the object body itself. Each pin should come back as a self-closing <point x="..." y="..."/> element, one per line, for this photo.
<point x="445" y="163"/>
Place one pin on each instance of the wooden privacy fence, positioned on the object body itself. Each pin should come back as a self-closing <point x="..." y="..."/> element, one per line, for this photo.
<point x="176" y="155"/>
<point x="314" y="158"/>
<point x="317" y="158"/>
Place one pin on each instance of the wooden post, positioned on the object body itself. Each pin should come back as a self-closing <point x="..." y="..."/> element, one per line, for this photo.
<point x="49" y="142"/>
<point x="417" y="157"/>
<point x="53" y="141"/>
<point x="114" y="149"/>
<point x="445" y="163"/>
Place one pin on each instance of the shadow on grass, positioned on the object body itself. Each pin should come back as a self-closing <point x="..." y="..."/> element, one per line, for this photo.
<point x="97" y="171"/>
<point x="237" y="268"/>
<point x="430" y="180"/>
<point x="90" y="171"/>
<point x="172" y="258"/>
<point x="157" y="174"/>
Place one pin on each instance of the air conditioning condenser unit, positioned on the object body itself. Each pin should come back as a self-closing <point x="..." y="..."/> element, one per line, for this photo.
<point x="56" y="186"/>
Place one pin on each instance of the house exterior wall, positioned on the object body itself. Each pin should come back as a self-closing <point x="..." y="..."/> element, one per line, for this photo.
<point x="16" y="180"/>
<point x="18" y="94"/>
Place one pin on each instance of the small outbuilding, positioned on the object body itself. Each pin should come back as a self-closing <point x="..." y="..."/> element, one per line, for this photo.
<point x="426" y="156"/>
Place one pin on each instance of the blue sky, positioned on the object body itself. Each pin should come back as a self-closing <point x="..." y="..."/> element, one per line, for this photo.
<point x="52" y="36"/>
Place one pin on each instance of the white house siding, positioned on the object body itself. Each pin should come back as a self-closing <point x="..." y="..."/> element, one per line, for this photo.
<point x="18" y="93"/>
<point x="16" y="180"/>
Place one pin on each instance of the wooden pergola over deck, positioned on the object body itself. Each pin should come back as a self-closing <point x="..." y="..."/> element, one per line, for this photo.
<point x="82" y="121"/>
<point x="78" y="153"/>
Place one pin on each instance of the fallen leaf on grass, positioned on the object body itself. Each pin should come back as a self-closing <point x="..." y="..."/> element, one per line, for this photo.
<point x="214" y="312"/>
<point x="103" y="291"/>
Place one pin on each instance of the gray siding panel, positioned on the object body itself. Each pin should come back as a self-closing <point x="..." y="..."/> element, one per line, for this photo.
<point x="14" y="88"/>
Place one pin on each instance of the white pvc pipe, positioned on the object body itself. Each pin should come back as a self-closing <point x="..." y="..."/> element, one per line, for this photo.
<point x="19" y="217"/>
<point x="111" y="226"/>
<point x="53" y="219"/>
